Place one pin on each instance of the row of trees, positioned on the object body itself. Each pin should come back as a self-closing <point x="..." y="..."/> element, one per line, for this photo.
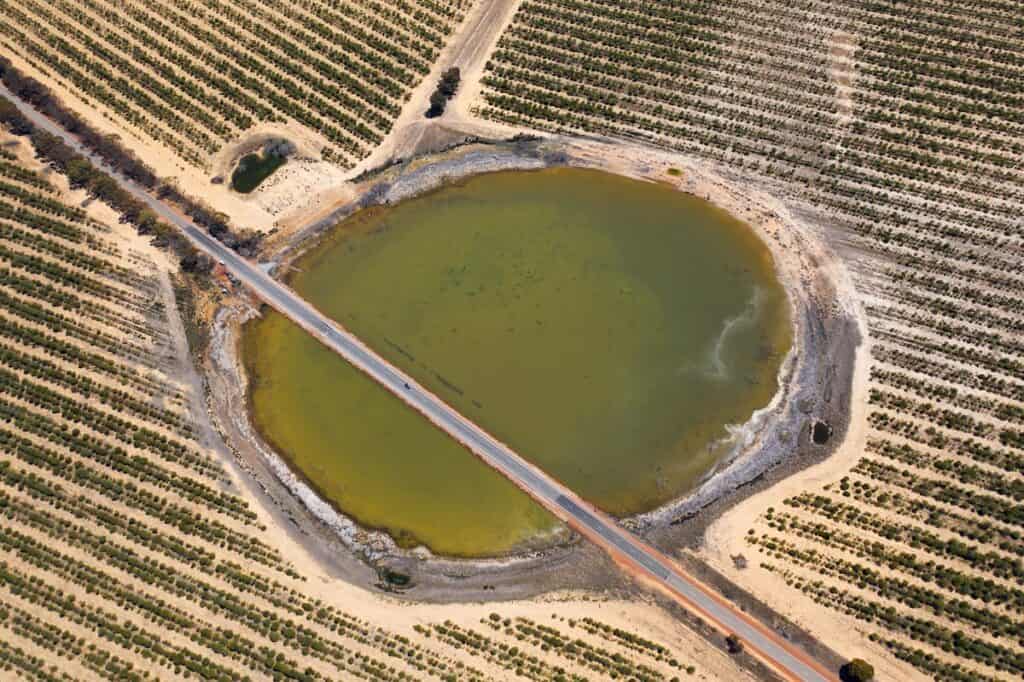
<point x="921" y="168"/>
<point x="98" y="482"/>
<point x="445" y="90"/>
<point x="82" y="173"/>
<point x="197" y="76"/>
<point x="39" y="96"/>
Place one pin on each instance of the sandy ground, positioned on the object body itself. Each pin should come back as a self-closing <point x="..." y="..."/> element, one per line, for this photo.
<point x="308" y="189"/>
<point x="841" y="70"/>
<point x="294" y="193"/>
<point x="821" y="294"/>
<point x="628" y="611"/>
<point x="724" y="540"/>
<point x="468" y="50"/>
<point x="190" y="180"/>
<point x="338" y="549"/>
<point x="725" y="534"/>
<point x="812" y="276"/>
<point x="302" y="194"/>
<point x="471" y="54"/>
<point x="305" y="191"/>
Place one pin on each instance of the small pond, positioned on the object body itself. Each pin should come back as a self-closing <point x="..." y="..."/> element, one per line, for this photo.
<point x="252" y="169"/>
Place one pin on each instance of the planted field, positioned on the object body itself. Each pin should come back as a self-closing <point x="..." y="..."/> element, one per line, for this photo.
<point x="127" y="550"/>
<point x="194" y="76"/>
<point x="123" y="556"/>
<point x="902" y="126"/>
<point x="895" y="129"/>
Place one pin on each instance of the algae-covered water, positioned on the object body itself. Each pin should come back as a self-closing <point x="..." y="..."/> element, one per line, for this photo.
<point x="606" y="329"/>
<point x="253" y="169"/>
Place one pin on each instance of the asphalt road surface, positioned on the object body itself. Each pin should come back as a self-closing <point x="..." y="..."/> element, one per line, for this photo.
<point x="625" y="548"/>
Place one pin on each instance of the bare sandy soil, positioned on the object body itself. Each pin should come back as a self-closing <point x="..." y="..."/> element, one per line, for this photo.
<point x="577" y="584"/>
<point x="191" y="180"/>
<point x="906" y="225"/>
<point x="726" y="522"/>
<point x="308" y="189"/>
<point x="822" y="297"/>
<point x="468" y="50"/>
<point x="305" y="191"/>
<point x="724" y="539"/>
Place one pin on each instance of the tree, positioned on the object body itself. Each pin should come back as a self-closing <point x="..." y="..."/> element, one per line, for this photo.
<point x="857" y="670"/>
<point x="13" y="119"/>
<point x="445" y="90"/>
<point x="103" y="187"/>
<point x="437" y="104"/>
<point x="734" y="644"/>
<point x="449" y="82"/>
<point x="79" y="172"/>
<point x="146" y="221"/>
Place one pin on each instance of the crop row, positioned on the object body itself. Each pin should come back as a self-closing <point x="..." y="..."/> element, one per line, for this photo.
<point x="196" y="75"/>
<point x="899" y="128"/>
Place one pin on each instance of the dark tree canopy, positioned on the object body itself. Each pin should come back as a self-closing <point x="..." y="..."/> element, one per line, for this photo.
<point x="734" y="644"/>
<point x="83" y="174"/>
<point x="446" y="88"/>
<point x="857" y="670"/>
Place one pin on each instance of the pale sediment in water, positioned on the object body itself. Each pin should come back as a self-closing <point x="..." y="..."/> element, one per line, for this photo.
<point x="555" y="309"/>
<point x="748" y="317"/>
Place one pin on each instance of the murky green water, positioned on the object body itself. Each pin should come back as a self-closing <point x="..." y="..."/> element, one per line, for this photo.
<point x="606" y="329"/>
<point x="253" y="169"/>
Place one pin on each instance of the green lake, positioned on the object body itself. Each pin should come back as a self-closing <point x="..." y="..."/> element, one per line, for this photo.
<point x="606" y="329"/>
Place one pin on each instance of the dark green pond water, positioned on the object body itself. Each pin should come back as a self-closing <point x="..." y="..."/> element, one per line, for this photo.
<point x="253" y="169"/>
<point x="606" y="329"/>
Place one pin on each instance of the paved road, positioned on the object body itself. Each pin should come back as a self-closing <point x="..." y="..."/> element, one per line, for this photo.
<point x="626" y="549"/>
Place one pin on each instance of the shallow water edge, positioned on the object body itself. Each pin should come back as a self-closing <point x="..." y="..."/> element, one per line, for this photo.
<point x="808" y="313"/>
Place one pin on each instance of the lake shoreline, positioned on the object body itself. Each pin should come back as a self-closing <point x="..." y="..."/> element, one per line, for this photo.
<point x="814" y="300"/>
<point x="608" y="329"/>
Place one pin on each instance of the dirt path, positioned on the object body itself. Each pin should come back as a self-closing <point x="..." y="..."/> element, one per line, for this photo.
<point x="469" y="50"/>
<point x="473" y="46"/>
<point x="841" y="71"/>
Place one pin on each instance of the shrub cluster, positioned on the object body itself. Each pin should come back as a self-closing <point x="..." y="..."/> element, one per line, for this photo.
<point x="446" y="88"/>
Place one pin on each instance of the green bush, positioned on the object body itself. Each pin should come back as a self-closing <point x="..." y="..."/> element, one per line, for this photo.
<point x="857" y="670"/>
